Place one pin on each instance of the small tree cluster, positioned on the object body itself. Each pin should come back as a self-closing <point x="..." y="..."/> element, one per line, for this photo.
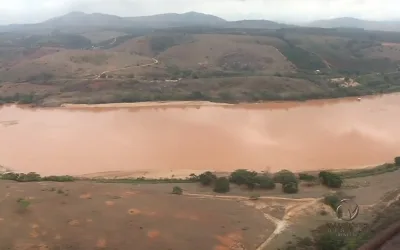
<point x="330" y="179"/>
<point x="207" y="178"/>
<point x="285" y="176"/>
<point x="34" y="177"/>
<point x="307" y="177"/>
<point x="289" y="181"/>
<point x="251" y="179"/>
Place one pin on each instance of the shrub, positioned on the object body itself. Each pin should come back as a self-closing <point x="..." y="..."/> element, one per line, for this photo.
<point x="244" y="177"/>
<point x="23" y="204"/>
<point x="284" y="177"/>
<point x="177" y="190"/>
<point x="221" y="185"/>
<point x="29" y="177"/>
<point x="330" y="179"/>
<point x="207" y="178"/>
<point x="332" y="200"/>
<point x="265" y="182"/>
<point x="254" y="196"/>
<point x="290" y="187"/>
<point x="307" y="177"/>
<point x="397" y="161"/>
<point x="64" y="178"/>
<point x="10" y="176"/>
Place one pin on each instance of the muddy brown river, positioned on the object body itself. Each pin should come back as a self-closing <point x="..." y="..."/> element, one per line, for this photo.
<point x="329" y="134"/>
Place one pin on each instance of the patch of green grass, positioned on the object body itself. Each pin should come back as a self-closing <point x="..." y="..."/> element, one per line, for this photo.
<point x="23" y="204"/>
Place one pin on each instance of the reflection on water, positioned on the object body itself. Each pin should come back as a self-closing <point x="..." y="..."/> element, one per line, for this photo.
<point x="299" y="136"/>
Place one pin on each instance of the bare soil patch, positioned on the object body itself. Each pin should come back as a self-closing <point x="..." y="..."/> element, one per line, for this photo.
<point x="83" y="217"/>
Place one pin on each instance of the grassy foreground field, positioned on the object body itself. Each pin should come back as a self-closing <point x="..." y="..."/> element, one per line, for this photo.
<point x="73" y="213"/>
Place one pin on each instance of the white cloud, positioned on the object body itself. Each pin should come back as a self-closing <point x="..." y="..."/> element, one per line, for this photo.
<point x="28" y="11"/>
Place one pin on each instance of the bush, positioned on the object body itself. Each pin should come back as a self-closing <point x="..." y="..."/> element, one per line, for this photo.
<point x="244" y="177"/>
<point x="207" y="178"/>
<point x="284" y="177"/>
<point x="29" y="177"/>
<point x="330" y="179"/>
<point x="290" y="187"/>
<point x="221" y="185"/>
<point x="10" y="176"/>
<point x="397" y="161"/>
<point x="23" y="204"/>
<point x="177" y="190"/>
<point x="64" y="178"/>
<point x="265" y="182"/>
<point x="332" y="200"/>
<point x="307" y="177"/>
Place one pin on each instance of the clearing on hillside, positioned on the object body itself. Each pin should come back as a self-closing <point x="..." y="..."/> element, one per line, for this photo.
<point x="228" y="52"/>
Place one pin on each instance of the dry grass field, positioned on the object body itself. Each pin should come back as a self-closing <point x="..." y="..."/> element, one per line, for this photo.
<point x="90" y="215"/>
<point x="70" y="64"/>
<point x="99" y="36"/>
<point x="228" y="52"/>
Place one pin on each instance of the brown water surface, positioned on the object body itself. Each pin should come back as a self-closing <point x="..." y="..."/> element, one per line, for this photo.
<point x="299" y="136"/>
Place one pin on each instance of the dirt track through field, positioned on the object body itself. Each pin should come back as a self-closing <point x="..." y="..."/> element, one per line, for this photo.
<point x="280" y="224"/>
<point x="155" y="61"/>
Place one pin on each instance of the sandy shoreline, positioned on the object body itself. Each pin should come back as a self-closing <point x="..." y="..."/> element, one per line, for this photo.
<point x="193" y="104"/>
<point x="145" y="104"/>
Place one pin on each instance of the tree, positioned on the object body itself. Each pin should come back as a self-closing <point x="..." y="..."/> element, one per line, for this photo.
<point x="330" y="179"/>
<point x="285" y="176"/>
<point x="221" y="185"/>
<point x="244" y="177"/>
<point x="397" y="161"/>
<point x="265" y="182"/>
<point x="207" y="178"/>
<point x="290" y="188"/>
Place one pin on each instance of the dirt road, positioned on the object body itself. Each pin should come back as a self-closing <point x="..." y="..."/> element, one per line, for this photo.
<point x="155" y="61"/>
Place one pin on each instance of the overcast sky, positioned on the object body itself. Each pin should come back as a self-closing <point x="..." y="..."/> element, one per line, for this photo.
<point x="29" y="11"/>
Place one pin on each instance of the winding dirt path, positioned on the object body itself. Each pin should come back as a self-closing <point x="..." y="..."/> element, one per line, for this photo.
<point x="280" y="224"/>
<point x="155" y="61"/>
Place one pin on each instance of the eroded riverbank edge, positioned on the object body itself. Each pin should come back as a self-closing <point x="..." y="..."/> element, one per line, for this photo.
<point x="198" y="104"/>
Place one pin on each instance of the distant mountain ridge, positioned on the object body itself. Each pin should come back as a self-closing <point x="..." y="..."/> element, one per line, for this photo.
<point x="167" y="20"/>
<point x="75" y="21"/>
<point x="350" y="22"/>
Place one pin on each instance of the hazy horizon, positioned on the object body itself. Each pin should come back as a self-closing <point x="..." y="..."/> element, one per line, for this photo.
<point x="290" y="11"/>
